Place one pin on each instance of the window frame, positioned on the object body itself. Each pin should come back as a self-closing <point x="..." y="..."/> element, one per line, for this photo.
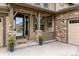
<point x="42" y="23"/>
<point x="20" y="15"/>
<point x="45" y="6"/>
<point x="35" y="23"/>
<point x="37" y="4"/>
<point x="48" y="21"/>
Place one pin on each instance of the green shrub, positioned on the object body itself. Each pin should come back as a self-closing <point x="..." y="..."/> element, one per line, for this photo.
<point x="40" y="37"/>
<point x="11" y="41"/>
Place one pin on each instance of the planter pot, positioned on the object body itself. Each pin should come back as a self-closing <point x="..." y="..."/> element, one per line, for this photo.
<point x="40" y="42"/>
<point x="11" y="48"/>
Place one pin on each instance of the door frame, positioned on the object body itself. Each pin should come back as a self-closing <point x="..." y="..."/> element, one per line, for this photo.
<point x="19" y="15"/>
<point x="24" y="17"/>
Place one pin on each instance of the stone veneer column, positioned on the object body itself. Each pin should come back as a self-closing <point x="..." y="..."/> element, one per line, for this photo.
<point x="11" y="23"/>
<point x="61" y="30"/>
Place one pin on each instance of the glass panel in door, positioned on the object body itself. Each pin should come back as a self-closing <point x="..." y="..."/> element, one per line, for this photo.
<point x="19" y="26"/>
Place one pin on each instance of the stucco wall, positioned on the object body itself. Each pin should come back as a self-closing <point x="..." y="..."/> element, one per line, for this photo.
<point x="61" y="24"/>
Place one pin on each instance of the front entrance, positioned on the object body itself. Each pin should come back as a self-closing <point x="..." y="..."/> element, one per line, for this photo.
<point x="1" y="31"/>
<point x="21" y="24"/>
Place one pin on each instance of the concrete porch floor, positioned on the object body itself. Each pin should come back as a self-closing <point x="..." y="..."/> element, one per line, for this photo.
<point x="50" y="49"/>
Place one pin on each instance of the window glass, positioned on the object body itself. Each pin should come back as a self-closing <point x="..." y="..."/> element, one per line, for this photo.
<point x="49" y="21"/>
<point x="74" y="21"/>
<point x="62" y="4"/>
<point x="37" y="4"/>
<point x="70" y="4"/>
<point x="45" y="5"/>
<point x="19" y="26"/>
<point x="43" y="23"/>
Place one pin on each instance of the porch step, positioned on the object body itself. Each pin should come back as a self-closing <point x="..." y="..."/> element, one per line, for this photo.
<point x="32" y="43"/>
<point x="49" y="41"/>
<point x="27" y="44"/>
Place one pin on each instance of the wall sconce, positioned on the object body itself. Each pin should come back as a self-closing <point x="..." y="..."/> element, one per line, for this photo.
<point x="64" y="20"/>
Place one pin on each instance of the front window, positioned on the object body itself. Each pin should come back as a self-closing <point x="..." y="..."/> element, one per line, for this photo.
<point x="70" y="4"/>
<point x="37" y="4"/>
<point x="49" y="21"/>
<point x="34" y="23"/>
<point x="42" y="24"/>
<point x="45" y="5"/>
<point x="62" y="4"/>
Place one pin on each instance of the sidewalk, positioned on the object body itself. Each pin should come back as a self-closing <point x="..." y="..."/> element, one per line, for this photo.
<point x="49" y="49"/>
<point x="3" y="52"/>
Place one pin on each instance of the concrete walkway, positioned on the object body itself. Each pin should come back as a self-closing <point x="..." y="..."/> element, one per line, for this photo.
<point x="4" y="52"/>
<point x="49" y="49"/>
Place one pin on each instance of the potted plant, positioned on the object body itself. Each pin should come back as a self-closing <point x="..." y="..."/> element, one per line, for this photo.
<point x="40" y="40"/>
<point x="11" y="42"/>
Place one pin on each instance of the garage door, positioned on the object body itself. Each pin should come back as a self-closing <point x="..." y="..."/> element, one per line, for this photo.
<point x="1" y="31"/>
<point x="73" y="31"/>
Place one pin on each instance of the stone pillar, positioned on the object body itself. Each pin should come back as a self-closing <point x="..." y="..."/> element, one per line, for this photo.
<point x="11" y="22"/>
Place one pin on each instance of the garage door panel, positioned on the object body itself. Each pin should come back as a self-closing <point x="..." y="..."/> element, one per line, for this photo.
<point x="73" y="33"/>
<point x="1" y="31"/>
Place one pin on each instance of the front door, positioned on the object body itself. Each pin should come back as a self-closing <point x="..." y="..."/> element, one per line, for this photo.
<point x="21" y="24"/>
<point x="1" y="31"/>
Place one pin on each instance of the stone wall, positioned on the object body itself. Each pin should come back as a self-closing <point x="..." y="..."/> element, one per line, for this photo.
<point x="61" y="23"/>
<point x="61" y="30"/>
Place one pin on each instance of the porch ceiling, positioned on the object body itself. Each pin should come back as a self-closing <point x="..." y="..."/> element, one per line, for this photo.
<point x="75" y="7"/>
<point x="4" y="9"/>
<point x="35" y="8"/>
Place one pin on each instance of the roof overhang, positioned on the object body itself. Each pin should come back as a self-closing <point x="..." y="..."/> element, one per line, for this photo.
<point x="71" y="8"/>
<point x="68" y="9"/>
<point x="75" y="7"/>
<point x="4" y="9"/>
<point x="35" y="7"/>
